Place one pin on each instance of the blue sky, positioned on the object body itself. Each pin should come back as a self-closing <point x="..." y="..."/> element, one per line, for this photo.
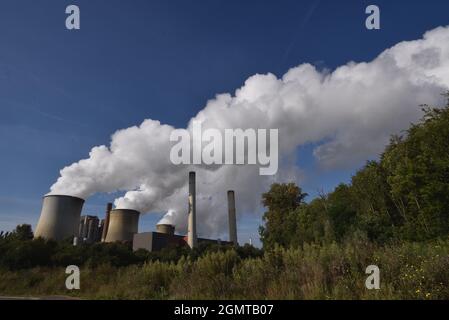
<point x="63" y="92"/>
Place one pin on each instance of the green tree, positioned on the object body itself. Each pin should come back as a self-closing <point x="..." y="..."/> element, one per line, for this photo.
<point x="341" y="211"/>
<point x="23" y="232"/>
<point x="313" y="223"/>
<point x="403" y="196"/>
<point x="418" y="167"/>
<point x="372" y="202"/>
<point x="281" y="201"/>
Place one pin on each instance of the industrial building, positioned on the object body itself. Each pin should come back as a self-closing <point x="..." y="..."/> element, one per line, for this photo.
<point x="61" y="219"/>
<point x="90" y="229"/>
<point x="164" y="237"/>
<point x="165" y="234"/>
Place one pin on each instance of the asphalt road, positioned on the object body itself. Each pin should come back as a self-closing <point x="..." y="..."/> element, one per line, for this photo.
<point x="39" y="298"/>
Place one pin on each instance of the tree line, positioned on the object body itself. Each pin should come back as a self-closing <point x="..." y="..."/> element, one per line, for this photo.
<point x="402" y="196"/>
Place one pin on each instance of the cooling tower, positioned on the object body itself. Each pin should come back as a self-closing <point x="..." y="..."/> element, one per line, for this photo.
<point x="165" y="228"/>
<point x="60" y="217"/>
<point x="232" y="218"/>
<point x="123" y="224"/>
<point x="191" y="234"/>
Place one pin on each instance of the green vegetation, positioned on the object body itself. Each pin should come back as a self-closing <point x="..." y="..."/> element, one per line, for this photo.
<point x="333" y="271"/>
<point x="19" y="251"/>
<point x="393" y="214"/>
<point x="403" y="196"/>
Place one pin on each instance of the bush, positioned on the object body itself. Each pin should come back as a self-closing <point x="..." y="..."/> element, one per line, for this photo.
<point x="209" y="277"/>
<point x="313" y="271"/>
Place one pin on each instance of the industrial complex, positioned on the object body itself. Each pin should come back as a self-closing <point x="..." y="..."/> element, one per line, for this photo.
<point x="61" y="219"/>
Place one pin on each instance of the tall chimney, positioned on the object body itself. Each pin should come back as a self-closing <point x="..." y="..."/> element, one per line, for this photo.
<point x="191" y="235"/>
<point x="106" y="221"/>
<point x="232" y="218"/>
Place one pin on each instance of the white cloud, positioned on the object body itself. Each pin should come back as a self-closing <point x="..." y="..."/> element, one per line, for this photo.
<point x="354" y="109"/>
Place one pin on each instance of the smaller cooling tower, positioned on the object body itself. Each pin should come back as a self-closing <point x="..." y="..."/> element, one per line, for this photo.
<point x="165" y="228"/>
<point x="60" y="217"/>
<point x="123" y="224"/>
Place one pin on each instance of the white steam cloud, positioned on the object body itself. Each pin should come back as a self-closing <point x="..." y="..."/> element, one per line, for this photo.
<point x="350" y="112"/>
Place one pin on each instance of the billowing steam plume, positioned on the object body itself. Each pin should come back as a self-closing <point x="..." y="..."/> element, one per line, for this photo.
<point x="350" y="112"/>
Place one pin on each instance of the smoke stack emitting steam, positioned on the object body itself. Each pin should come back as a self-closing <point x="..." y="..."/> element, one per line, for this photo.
<point x="353" y="109"/>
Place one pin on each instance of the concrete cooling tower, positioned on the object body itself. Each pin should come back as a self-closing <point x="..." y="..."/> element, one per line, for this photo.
<point x="60" y="217"/>
<point x="166" y="229"/>
<point x="123" y="224"/>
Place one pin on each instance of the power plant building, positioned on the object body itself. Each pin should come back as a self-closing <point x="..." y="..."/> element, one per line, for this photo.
<point x="90" y="229"/>
<point x="165" y="233"/>
<point x="61" y="219"/>
<point x="155" y="241"/>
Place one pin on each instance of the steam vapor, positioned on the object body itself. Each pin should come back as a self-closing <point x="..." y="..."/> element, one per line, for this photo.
<point x="350" y="112"/>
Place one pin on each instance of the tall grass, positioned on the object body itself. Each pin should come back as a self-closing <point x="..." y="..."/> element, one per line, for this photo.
<point x="407" y="271"/>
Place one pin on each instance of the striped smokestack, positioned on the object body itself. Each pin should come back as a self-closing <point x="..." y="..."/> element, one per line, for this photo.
<point x="232" y="218"/>
<point x="191" y="235"/>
